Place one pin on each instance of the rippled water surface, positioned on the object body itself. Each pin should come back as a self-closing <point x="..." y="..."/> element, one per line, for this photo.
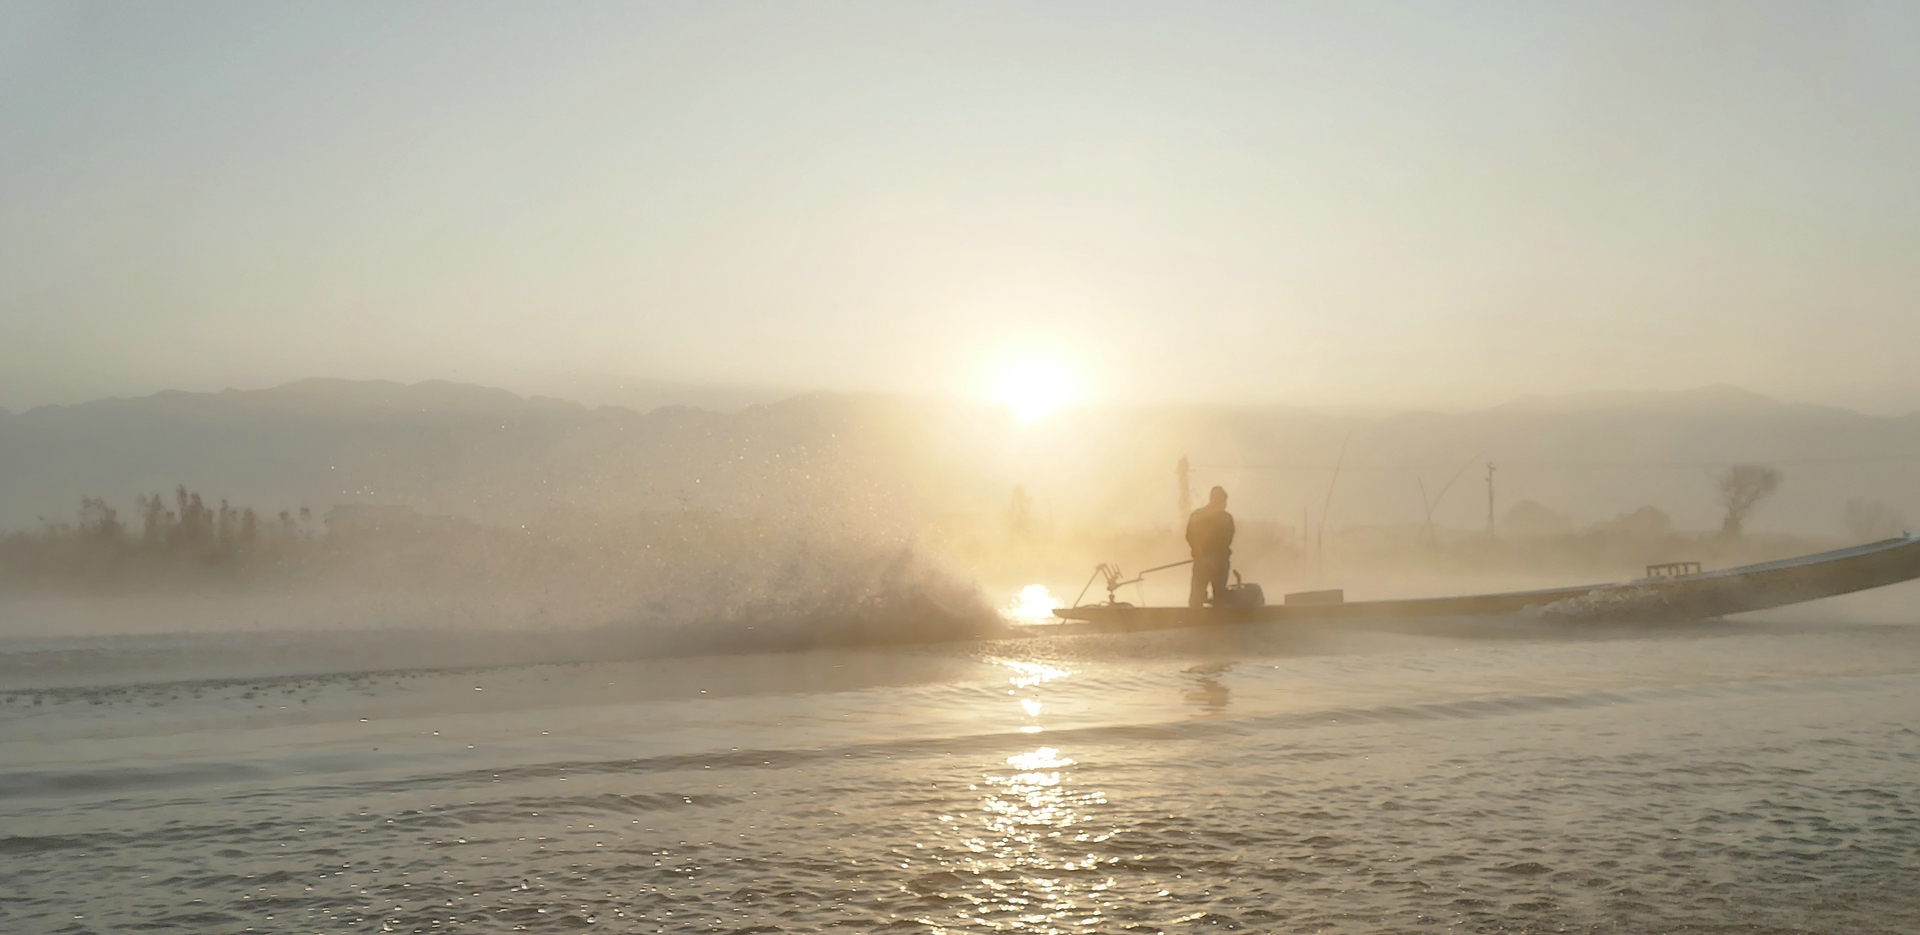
<point x="1733" y="777"/>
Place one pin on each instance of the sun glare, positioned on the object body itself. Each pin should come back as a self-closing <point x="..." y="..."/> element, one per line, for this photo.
<point x="1035" y="388"/>
<point x="1035" y="604"/>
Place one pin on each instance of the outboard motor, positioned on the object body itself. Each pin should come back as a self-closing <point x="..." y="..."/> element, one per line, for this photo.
<point x="1240" y="594"/>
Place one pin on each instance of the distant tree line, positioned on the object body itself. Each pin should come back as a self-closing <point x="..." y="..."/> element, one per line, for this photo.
<point x="184" y="537"/>
<point x="189" y="540"/>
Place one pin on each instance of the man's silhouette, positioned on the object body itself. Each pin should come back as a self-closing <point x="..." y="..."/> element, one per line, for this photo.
<point x="1210" y="534"/>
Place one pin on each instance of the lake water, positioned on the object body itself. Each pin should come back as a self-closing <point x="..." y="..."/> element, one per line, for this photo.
<point x="1512" y="776"/>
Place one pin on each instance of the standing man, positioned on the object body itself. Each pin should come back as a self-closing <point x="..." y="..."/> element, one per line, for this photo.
<point x="1210" y="535"/>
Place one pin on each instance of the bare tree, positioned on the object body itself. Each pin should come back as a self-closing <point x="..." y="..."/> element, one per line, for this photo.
<point x="1742" y="487"/>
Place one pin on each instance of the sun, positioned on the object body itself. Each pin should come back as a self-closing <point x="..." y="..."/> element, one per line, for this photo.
<point x="1035" y="387"/>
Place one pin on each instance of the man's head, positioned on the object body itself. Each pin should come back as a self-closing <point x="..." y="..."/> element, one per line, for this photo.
<point x="1217" y="497"/>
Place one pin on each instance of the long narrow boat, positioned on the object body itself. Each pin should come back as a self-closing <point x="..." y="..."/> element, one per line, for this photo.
<point x="1677" y="592"/>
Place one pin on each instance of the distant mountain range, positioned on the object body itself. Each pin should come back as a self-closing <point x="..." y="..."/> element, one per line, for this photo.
<point x="442" y="447"/>
<point x="502" y="458"/>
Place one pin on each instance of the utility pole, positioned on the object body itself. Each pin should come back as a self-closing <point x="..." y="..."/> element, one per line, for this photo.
<point x="1490" y="533"/>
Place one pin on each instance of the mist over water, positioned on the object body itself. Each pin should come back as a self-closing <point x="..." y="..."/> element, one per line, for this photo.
<point x="792" y="670"/>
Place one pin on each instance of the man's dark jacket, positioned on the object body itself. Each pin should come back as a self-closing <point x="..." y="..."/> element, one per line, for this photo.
<point x="1210" y="532"/>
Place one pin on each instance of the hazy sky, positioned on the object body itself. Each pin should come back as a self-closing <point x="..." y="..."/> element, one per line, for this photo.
<point x="1417" y="204"/>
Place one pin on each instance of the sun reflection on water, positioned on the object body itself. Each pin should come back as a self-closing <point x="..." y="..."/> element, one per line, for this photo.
<point x="1029" y="674"/>
<point x="1031" y="856"/>
<point x="1029" y="850"/>
<point x="1043" y="758"/>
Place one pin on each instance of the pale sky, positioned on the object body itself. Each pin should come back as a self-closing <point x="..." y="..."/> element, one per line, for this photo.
<point x="1330" y="204"/>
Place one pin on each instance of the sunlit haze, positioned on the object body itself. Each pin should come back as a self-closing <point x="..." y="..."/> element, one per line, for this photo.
<point x="1334" y="204"/>
<point x="1367" y="466"/>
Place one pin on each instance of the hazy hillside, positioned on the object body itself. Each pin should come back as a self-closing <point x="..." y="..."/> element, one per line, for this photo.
<point x="496" y="457"/>
<point x="1591" y="457"/>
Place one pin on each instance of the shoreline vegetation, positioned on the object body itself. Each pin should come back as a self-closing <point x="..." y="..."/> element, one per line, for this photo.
<point x="190" y="542"/>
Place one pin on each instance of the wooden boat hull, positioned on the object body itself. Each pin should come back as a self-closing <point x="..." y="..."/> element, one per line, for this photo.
<point x="1687" y="597"/>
